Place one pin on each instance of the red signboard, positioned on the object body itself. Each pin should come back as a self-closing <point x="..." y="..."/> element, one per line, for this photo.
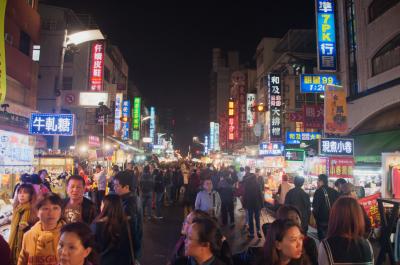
<point x="370" y="205"/>
<point x="341" y="167"/>
<point x="231" y="120"/>
<point x="96" y="67"/>
<point x="94" y="141"/>
<point x="313" y="116"/>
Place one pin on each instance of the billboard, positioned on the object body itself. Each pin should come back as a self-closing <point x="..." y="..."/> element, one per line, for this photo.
<point x="326" y="37"/>
<point x="341" y="167"/>
<point x="3" y="80"/>
<point x="335" y="112"/>
<point x="298" y="137"/>
<point x="92" y="99"/>
<point x="51" y="124"/>
<point x="97" y="66"/>
<point x="231" y="120"/>
<point x="152" y="123"/>
<point x="271" y="149"/>
<point x="212" y="135"/>
<point x="295" y="155"/>
<point x="16" y="149"/>
<point x="314" y="83"/>
<point x="126" y="106"/>
<point x="206" y="144"/>
<point x="275" y="106"/>
<point x="216" y="136"/>
<point x="250" y="115"/>
<point x="136" y="118"/>
<point x="119" y="97"/>
<point x="336" y="147"/>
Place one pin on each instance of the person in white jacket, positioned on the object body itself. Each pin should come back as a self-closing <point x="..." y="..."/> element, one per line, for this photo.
<point x="208" y="200"/>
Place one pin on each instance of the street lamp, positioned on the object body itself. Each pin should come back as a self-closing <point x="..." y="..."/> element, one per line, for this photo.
<point x="70" y="40"/>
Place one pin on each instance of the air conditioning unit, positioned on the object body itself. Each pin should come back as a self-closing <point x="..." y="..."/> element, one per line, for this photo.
<point x="9" y="38"/>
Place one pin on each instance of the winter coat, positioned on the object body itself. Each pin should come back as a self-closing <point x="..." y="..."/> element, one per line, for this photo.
<point x="159" y="185"/>
<point x="89" y="210"/>
<point x="320" y="208"/>
<point x="253" y="198"/>
<point x="132" y="208"/>
<point x="225" y="190"/>
<point x="40" y="247"/>
<point x="301" y="200"/>
<point x="147" y="183"/>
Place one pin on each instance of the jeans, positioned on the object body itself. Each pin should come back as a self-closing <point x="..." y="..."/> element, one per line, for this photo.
<point x="159" y="200"/>
<point x="254" y="213"/>
<point x="227" y="208"/>
<point x="146" y="203"/>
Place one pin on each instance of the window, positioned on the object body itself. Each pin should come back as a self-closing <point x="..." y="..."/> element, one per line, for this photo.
<point x="379" y="7"/>
<point x="387" y="57"/>
<point x="299" y="126"/>
<point x="106" y="74"/>
<point x="352" y="48"/>
<point x="24" y="43"/>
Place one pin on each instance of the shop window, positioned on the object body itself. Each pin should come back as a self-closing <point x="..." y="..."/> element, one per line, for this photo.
<point x="299" y="126"/>
<point x="387" y="57"/>
<point x="379" y="7"/>
<point x="25" y="43"/>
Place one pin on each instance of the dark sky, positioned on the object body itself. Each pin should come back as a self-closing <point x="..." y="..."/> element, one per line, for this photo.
<point x="168" y="44"/>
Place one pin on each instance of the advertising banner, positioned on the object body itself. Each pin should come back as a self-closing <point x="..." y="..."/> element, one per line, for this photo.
<point x="206" y="144"/>
<point x="126" y="106"/>
<point x="341" y="167"/>
<point x="97" y="66"/>
<point x="336" y="146"/>
<point x="119" y="97"/>
<point x="251" y="116"/>
<point x="16" y="149"/>
<point x="370" y="205"/>
<point x="51" y="124"/>
<point x="136" y="118"/>
<point x="326" y="37"/>
<point x="275" y="106"/>
<point x="335" y="112"/>
<point x="152" y="123"/>
<point x="231" y="120"/>
<point x="212" y="135"/>
<point x="298" y="137"/>
<point x="315" y="166"/>
<point x="315" y="83"/>
<point x="313" y="116"/>
<point x="3" y="80"/>
<point x="216" y="137"/>
<point x="271" y="149"/>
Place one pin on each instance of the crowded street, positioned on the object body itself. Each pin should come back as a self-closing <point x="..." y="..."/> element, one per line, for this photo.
<point x="207" y="133"/>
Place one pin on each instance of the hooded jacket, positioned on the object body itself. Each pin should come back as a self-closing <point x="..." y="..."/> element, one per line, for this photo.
<point x="40" y="247"/>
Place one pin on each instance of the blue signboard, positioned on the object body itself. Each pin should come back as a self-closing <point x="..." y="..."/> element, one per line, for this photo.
<point x="298" y="137"/>
<point x="310" y="83"/>
<point x="336" y="146"/>
<point x="51" y="124"/>
<point x="326" y="37"/>
<point x="271" y="149"/>
<point x="126" y="108"/>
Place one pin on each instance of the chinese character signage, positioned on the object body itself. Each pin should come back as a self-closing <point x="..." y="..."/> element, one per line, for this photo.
<point x="152" y="123"/>
<point x="326" y="37"/>
<point x="297" y="155"/>
<point x="271" y="149"/>
<point x="370" y="205"/>
<point x="216" y="136"/>
<point x="96" y="67"/>
<point x="341" y="167"/>
<point x="51" y="124"/>
<point x="275" y="106"/>
<point x="310" y="83"/>
<point x="251" y="116"/>
<point x="315" y="166"/>
<point x="335" y="147"/>
<point x="335" y="113"/>
<point x="94" y="141"/>
<point x="126" y="106"/>
<point x="206" y="145"/>
<point x="118" y="113"/>
<point x="313" y="116"/>
<point x="212" y="135"/>
<point x="3" y="81"/>
<point x="231" y="120"/>
<point x="298" y="137"/>
<point x="136" y="118"/>
<point x="16" y="149"/>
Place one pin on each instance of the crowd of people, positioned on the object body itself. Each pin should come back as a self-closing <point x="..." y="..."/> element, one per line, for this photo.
<point x="105" y="225"/>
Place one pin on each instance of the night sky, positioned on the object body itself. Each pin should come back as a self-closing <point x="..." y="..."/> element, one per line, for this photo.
<point x="168" y="45"/>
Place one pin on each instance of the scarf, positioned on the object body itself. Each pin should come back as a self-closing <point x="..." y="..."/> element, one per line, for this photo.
<point x="21" y="214"/>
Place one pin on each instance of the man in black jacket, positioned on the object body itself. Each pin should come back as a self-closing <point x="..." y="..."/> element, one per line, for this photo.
<point x="132" y="208"/>
<point x="77" y="208"/>
<point x="324" y="197"/>
<point x="301" y="200"/>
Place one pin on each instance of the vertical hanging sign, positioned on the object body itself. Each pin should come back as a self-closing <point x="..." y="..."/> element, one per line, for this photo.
<point x="326" y="37"/>
<point x="118" y="113"/>
<point x="212" y="135"/>
<point x="231" y="120"/>
<point x="335" y="110"/>
<point x="251" y="115"/>
<point x="126" y="106"/>
<point x="97" y="66"/>
<point x="152" y="123"/>
<point x="216" y="136"/>
<point x="136" y="118"/>
<point x="3" y="80"/>
<point x="275" y="106"/>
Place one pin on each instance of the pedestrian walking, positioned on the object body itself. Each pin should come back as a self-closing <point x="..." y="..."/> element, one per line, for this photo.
<point x="23" y="218"/>
<point x="208" y="200"/>
<point x="146" y="190"/>
<point x="345" y="242"/>
<point x="301" y="200"/>
<point x="159" y="189"/>
<point x="100" y="177"/>
<point x="40" y="242"/>
<point x="77" y="245"/>
<point x="132" y="209"/>
<point x="168" y="186"/>
<point x="283" y="189"/>
<point x="225" y="190"/>
<point x="78" y="208"/>
<point x="324" y="197"/>
<point x="253" y="201"/>
<point x="111" y="234"/>
<point x="191" y="191"/>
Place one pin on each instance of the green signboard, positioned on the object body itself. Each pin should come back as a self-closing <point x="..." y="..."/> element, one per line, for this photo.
<point x="136" y="118"/>
<point x="295" y="155"/>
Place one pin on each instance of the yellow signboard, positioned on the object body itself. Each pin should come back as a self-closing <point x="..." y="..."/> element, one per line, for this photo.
<point x="3" y="76"/>
<point x="335" y="110"/>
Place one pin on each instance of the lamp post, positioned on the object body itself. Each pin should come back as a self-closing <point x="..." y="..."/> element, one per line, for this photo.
<point x="70" y="41"/>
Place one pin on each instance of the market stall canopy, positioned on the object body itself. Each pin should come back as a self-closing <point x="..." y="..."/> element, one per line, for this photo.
<point x="373" y="144"/>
